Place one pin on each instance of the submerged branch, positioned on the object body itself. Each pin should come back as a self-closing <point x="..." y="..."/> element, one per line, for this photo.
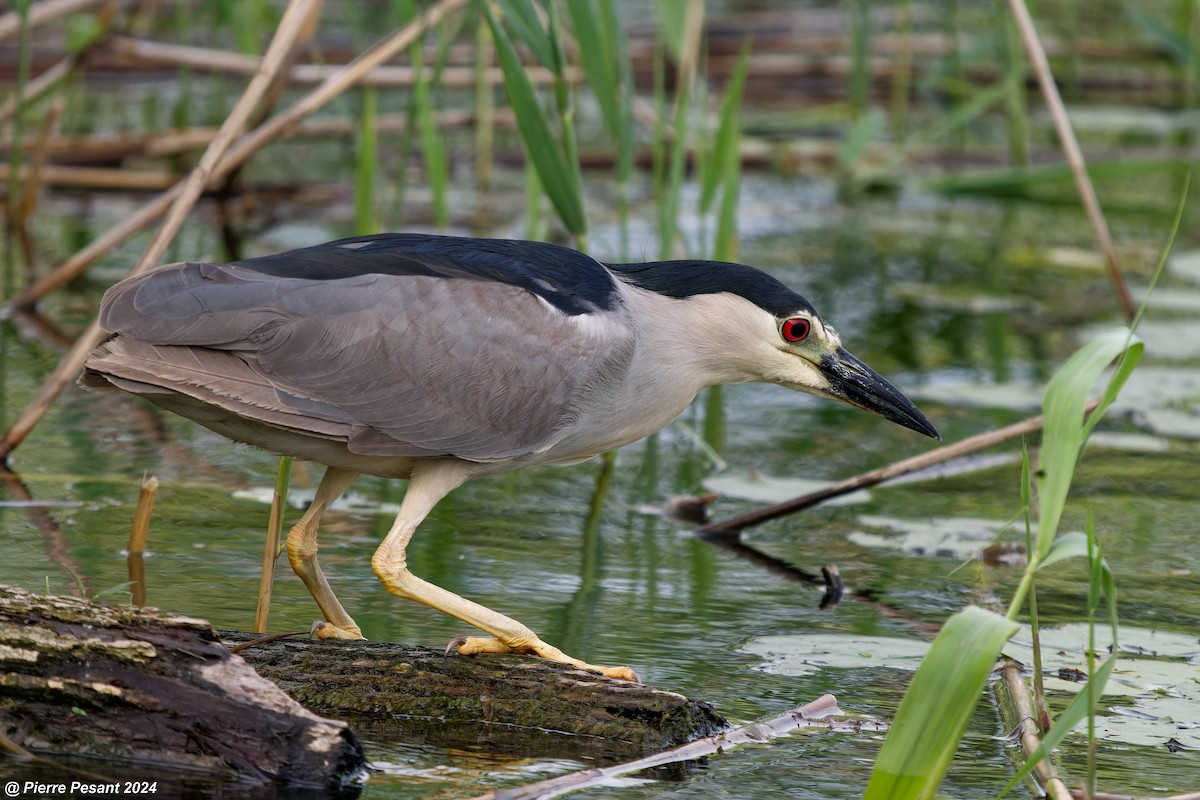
<point x="814" y="713"/>
<point x="731" y="526"/>
<point x="1013" y="686"/>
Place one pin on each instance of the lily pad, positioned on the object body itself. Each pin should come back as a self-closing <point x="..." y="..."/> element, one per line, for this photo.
<point x="762" y="488"/>
<point x="1012" y="395"/>
<point x="1133" y="442"/>
<point x="946" y="537"/>
<point x="302" y="498"/>
<point x="1166" y="398"/>
<point x="1185" y="265"/>
<point x="1169" y="339"/>
<point x="804" y="654"/>
<point x="1156" y="680"/>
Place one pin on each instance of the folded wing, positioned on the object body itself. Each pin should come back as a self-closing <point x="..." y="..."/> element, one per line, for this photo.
<point x="395" y="364"/>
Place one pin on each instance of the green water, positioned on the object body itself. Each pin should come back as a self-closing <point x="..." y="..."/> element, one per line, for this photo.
<point x="960" y="303"/>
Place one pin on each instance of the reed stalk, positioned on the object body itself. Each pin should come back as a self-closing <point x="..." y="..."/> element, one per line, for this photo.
<point x="1072" y="151"/>
<point x="137" y="538"/>
<point x="181" y="202"/>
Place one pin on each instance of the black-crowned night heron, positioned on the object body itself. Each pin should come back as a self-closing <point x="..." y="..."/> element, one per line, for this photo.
<point x="439" y="359"/>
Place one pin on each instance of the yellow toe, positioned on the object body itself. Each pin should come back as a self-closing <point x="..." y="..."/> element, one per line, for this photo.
<point x="327" y="630"/>
<point x="469" y="646"/>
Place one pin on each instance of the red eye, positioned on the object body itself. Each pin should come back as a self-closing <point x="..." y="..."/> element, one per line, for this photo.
<point x="795" y="329"/>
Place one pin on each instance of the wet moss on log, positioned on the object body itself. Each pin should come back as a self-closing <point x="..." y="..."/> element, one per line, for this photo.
<point x="467" y="694"/>
<point x="124" y="684"/>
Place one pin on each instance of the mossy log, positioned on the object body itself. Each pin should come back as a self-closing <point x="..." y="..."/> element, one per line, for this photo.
<point x="119" y="684"/>
<point x="518" y="703"/>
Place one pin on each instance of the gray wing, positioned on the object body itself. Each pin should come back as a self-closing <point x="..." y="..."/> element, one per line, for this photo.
<point x="398" y="365"/>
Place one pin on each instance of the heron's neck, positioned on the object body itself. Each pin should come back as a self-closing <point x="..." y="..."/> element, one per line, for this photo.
<point x="693" y="343"/>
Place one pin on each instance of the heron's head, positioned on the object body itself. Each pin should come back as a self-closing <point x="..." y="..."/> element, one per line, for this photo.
<point x="806" y="354"/>
<point x="756" y="329"/>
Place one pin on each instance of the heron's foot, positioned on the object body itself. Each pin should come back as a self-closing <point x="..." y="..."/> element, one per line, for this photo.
<point x="474" y="645"/>
<point x="327" y="630"/>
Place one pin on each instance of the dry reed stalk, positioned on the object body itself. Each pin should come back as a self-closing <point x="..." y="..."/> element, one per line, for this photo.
<point x="182" y="201"/>
<point x="270" y="556"/>
<point x="159" y="145"/>
<point x="1027" y="729"/>
<point x="142" y="52"/>
<point x="97" y="178"/>
<point x="1072" y="151"/>
<point x="245" y="147"/>
<point x="43" y="12"/>
<point x="732" y="525"/>
<point x="237" y="154"/>
<point x="266" y="578"/>
<point x="105" y="147"/>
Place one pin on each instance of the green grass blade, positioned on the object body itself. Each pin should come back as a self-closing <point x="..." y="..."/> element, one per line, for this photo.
<point x="668" y="209"/>
<point x="595" y="54"/>
<point x="1166" y="37"/>
<point x="366" y="164"/>
<point x="614" y="33"/>
<point x="1064" y="433"/>
<point x="672" y="25"/>
<point x="566" y="113"/>
<point x="559" y="178"/>
<point x="1069" y="545"/>
<point x="522" y="17"/>
<point x="1075" y="713"/>
<point x="938" y="705"/>
<point x="726" y="151"/>
<point x="1166" y="251"/>
<point x="437" y="170"/>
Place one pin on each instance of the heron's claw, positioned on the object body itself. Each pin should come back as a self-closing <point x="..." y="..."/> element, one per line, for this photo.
<point x="327" y="630"/>
<point x="473" y="645"/>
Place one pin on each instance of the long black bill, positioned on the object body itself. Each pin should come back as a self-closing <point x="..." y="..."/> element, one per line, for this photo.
<point x="853" y="382"/>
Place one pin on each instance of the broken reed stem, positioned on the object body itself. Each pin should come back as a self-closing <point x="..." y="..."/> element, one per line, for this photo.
<point x="1072" y="151"/>
<point x="1027" y="729"/>
<point x="732" y="525"/>
<point x="249" y="144"/>
<point x="204" y="173"/>
<point x="274" y="536"/>
<point x="814" y="713"/>
<point x="121" y="180"/>
<point x="135" y="553"/>
<point x="141" y="515"/>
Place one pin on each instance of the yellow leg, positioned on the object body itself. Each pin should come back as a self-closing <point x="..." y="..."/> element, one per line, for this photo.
<point x="302" y="554"/>
<point x="425" y="489"/>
